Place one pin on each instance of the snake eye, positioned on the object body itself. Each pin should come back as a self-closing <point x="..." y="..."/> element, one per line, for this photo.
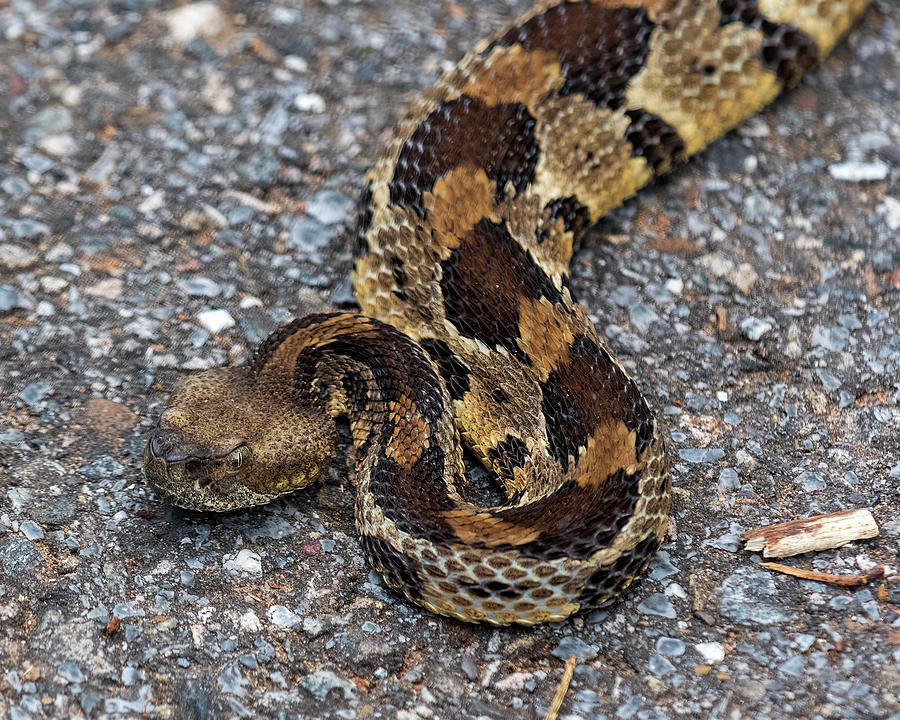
<point x="236" y="459"/>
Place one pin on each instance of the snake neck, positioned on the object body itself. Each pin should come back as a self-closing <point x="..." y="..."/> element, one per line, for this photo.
<point x="348" y="365"/>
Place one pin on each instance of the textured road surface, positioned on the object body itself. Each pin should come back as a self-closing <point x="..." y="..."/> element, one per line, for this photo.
<point x="168" y="197"/>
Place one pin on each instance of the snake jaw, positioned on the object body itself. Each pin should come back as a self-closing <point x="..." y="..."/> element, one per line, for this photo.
<point x="211" y="485"/>
<point x="200" y="476"/>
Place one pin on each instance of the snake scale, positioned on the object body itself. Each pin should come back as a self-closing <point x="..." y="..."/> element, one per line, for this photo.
<point x="470" y="334"/>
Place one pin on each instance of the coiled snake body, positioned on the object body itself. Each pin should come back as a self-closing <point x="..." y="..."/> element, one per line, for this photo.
<point x="470" y="333"/>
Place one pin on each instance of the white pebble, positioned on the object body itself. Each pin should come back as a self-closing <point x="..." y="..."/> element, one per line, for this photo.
<point x="712" y="652"/>
<point x="250" y="622"/>
<point x="282" y="616"/>
<point x="249" y="301"/>
<point x="853" y="171"/>
<point x="203" y="19"/>
<point x="215" y="321"/>
<point x="246" y="561"/>
<point x="296" y="64"/>
<point x="309" y="102"/>
<point x="675" y="285"/>
<point x="890" y="208"/>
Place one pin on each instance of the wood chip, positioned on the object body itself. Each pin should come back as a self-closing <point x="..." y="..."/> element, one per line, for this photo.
<point x="821" y="532"/>
<point x="561" y="690"/>
<point x="844" y="580"/>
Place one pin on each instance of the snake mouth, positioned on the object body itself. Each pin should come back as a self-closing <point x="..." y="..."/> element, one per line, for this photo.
<point x="198" y="477"/>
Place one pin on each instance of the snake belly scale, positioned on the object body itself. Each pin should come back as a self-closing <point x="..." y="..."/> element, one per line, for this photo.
<point x="469" y="334"/>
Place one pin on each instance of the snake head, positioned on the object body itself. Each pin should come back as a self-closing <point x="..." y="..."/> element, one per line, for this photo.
<point x="226" y="441"/>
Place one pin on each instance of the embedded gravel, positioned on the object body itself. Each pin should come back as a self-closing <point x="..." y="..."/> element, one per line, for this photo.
<point x="177" y="180"/>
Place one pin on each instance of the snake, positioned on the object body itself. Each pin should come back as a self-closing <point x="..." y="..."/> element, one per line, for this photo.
<point x="469" y="336"/>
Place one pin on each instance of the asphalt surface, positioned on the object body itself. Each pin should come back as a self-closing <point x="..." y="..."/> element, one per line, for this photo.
<point x="168" y="198"/>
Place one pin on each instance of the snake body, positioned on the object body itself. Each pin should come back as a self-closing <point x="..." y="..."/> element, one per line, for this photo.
<point x="469" y="333"/>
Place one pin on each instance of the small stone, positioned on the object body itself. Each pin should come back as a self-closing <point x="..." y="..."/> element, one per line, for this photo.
<point x="123" y="215"/>
<point x="44" y="123"/>
<point x="829" y="381"/>
<point x="31" y="530"/>
<point x="661" y="566"/>
<point x="658" y="604"/>
<point x="830" y="338"/>
<point x="16" y="257"/>
<point x="309" y="102"/>
<point x="261" y="169"/>
<point x="744" y="278"/>
<point x="58" y="145"/>
<point x="309" y="235"/>
<point x="282" y="616"/>
<point x="37" y="163"/>
<point x="15" y="187"/>
<point x="102" y="468"/>
<point x="246" y="561"/>
<point x="197" y="19"/>
<point x="642" y="316"/>
<point x="854" y="171"/>
<point x="755" y="328"/>
<point x="571" y="645"/>
<point x="215" y="321"/>
<point x="110" y="288"/>
<point x="231" y="681"/>
<point x="131" y="675"/>
<point x="659" y="665"/>
<point x="296" y="64"/>
<point x="100" y="171"/>
<point x="19" y="559"/>
<point x="890" y="209"/>
<point x="207" y="218"/>
<point x="71" y="672"/>
<point x="717" y="264"/>
<point x="9" y="298"/>
<point x="313" y="627"/>
<point x="793" y="666"/>
<point x="712" y="652"/>
<point x="34" y="393"/>
<point x="28" y="229"/>
<point x="13" y="435"/>
<point x="200" y="286"/>
<point x="186" y="578"/>
<point x="869" y="140"/>
<point x="670" y="647"/>
<point x="729" y="480"/>
<point x="701" y="455"/>
<point x="203" y="51"/>
<point x="470" y="670"/>
<point x="840" y="602"/>
<point x="811" y="481"/>
<point x="330" y="207"/>
<point x="321" y="682"/>
<point x="729" y="542"/>
<point x="743" y="598"/>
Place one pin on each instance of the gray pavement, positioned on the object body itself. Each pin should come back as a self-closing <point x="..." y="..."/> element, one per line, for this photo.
<point x="167" y="199"/>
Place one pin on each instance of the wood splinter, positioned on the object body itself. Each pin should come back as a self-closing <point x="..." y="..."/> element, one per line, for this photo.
<point x="568" y="670"/>
<point x="844" y="580"/>
<point x="820" y="532"/>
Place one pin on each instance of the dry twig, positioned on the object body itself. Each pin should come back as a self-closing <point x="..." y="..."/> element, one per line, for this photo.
<point x="561" y="690"/>
<point x="846" y="580"/>
<point x="821" y="532"/>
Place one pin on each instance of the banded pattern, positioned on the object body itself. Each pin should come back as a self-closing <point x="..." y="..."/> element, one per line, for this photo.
<point x="470" y="333"/>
